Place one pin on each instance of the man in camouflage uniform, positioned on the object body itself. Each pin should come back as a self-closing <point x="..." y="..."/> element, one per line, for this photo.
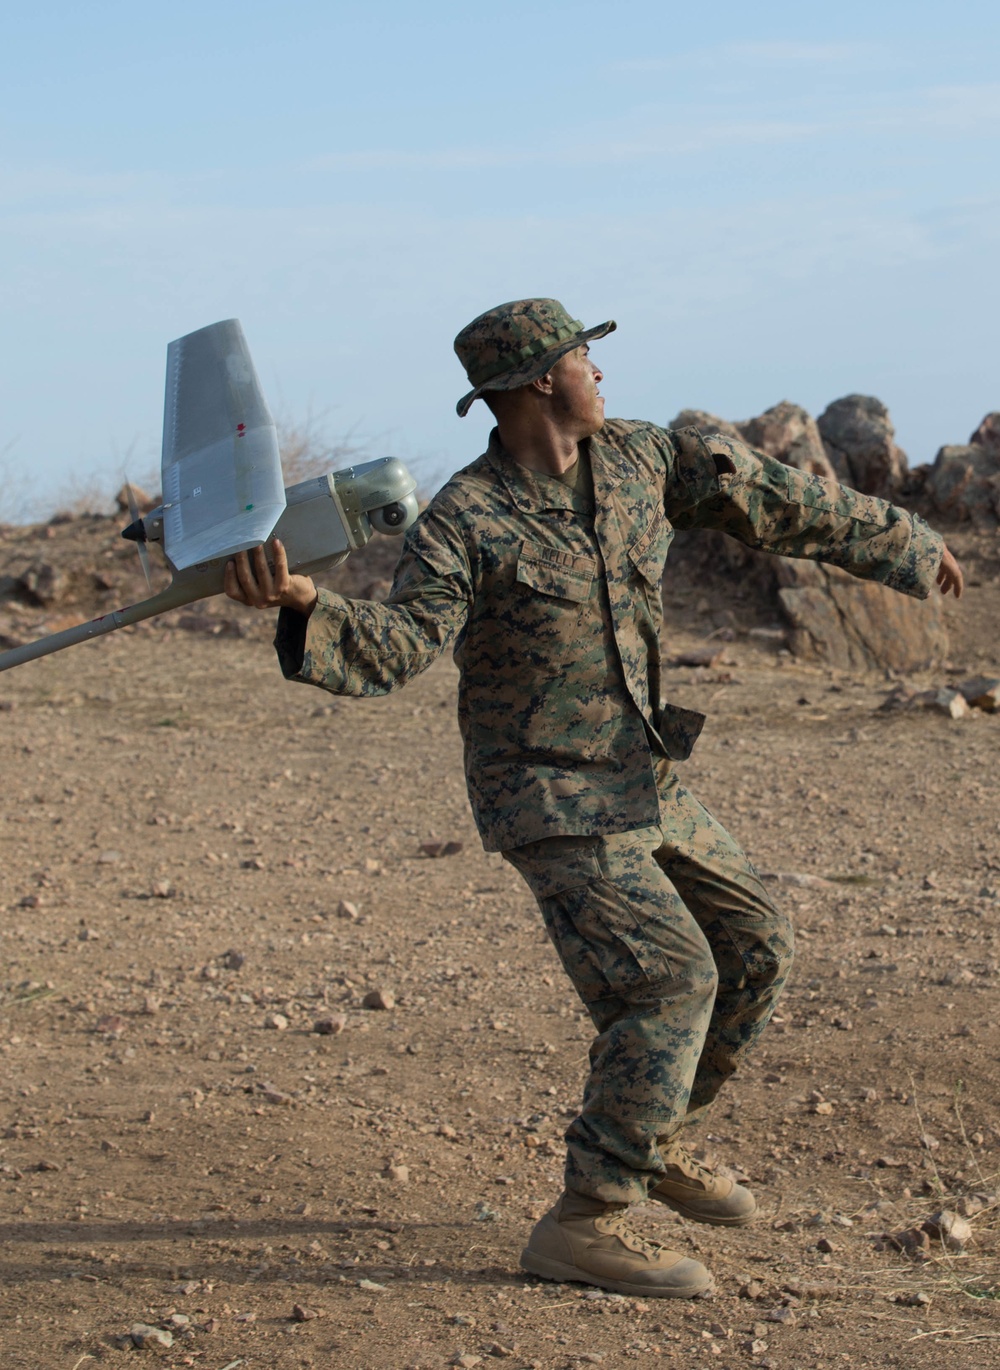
<point x="540" y="566"/>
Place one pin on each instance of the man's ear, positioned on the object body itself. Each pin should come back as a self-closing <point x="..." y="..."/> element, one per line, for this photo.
<point x="543" y="384"/>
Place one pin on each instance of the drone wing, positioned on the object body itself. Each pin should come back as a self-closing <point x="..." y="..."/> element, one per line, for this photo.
<point x="222" y="484"/>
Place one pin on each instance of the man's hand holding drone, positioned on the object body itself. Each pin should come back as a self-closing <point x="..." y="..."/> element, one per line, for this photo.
<point x="251" y="580"/>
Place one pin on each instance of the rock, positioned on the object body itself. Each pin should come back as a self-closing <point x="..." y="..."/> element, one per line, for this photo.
<point x="851" y="624"/>
<point x="345" y="909"/>
<point x="330" y="1024"/>
<point x="784" y="1315"/>
<point x="952" y="1230"/>
<point x="861" y="443"/>
<point x="112" y="1024"/>
<point x="964" y="483"/>
<point x="789" y="433"/>
<point x="826" y="1246"/>
<point x="162" y="889"/>
<point x="971" y="1204"/>
<point x="232" y="959"/>
<point x="277" y="1022"/>
<point x="148" y="1338"/>
<point x="753" y="1289"/>
<point x="982" y="692"/>
<point x="987" y="435"/>
<point x="466" y="1362"/>
<point x="917" y="1300"/>
<point x="951" y="703"/>
<point x="698" y="656"/>
<point x="378" y="999"/>
<point x="705" y="423"/>
<point x="399" y="1174"/>
<point x="912" y="1241"/>
<point x="434" y="849"/>
<point x="42" y="583"/>
<point x="302" y="1314"/>
<point x="144" y="502"/>
<point x="177" y="1322"/>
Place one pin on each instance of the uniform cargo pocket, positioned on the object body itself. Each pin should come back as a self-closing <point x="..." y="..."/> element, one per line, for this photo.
<point x="607" y="948"/>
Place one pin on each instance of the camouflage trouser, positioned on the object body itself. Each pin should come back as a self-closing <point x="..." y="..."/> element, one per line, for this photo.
<point x="679" y="956"/>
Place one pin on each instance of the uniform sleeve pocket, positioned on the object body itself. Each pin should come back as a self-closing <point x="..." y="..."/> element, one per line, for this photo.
<point x="559" y="574"/>
<point x="648" y="553"/>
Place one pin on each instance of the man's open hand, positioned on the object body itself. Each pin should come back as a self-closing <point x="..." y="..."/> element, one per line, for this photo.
<point x="949" y="576"/>
<point x="250" y="580"/>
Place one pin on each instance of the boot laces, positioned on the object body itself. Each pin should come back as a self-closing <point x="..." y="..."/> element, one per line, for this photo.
<point x="620" y="1226"/>
<point x="682" y="1158"/>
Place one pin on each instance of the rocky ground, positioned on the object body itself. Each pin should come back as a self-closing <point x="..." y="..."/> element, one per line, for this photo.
<point x="201" y="863"/>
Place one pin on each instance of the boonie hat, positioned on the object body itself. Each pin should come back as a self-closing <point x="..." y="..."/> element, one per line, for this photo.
<point x="516" y="343"/>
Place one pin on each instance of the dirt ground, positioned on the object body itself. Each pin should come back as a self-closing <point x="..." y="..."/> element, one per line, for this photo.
<point x="194" y="849"/>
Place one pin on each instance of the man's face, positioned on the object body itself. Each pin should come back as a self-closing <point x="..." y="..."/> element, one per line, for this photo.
<point x="575" y="395"/>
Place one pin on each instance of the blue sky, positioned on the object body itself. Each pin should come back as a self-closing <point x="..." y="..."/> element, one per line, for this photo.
<point x="774" y="201"/>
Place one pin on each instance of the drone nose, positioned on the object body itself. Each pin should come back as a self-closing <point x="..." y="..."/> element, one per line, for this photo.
<point x="135" y="532"/>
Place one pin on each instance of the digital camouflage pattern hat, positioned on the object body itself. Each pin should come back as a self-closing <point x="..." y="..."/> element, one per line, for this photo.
<point x="516" y="343"/>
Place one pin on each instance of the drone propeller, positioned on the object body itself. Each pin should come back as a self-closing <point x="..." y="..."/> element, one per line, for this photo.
<point x="136" y="532"/>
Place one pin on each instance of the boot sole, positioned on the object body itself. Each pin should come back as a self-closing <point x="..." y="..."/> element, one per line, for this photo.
<point x="695" y="1216"/>
<point x="555" y="1270"/>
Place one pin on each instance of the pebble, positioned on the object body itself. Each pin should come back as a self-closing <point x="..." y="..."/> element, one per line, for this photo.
<point x="378" y="999"/>
<point x="302" y="1314"/>
<point x="466" y="1362"/>
<point x="330" y="1024"/>
<point x="914" y="1241"/>
<point x="399" y="1174"/>
<point x="345" y="909"/>
<point x="949" y="1228"/>
<point x="176" y="1322"/>
<point x="233" y="959"/>
<point x="826" y="1245"/>
<point x="753" y="1289"/>
<point x="162" y="889"/>
<point x="276" y="1021"/>
<point x="435" y="849"/>
<point x="784" y="1315"/>
<point x="150" y="1338"/>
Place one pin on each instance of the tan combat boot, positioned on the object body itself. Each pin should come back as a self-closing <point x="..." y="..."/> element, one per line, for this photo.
<point x="590" y="1241"/>
<point x="697" y="1192"/>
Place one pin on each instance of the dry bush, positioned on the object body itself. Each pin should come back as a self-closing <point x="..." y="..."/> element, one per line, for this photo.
<point x="306" y="452"/>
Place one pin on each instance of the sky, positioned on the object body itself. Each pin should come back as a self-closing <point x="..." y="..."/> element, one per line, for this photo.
<point x="774" y="202"/>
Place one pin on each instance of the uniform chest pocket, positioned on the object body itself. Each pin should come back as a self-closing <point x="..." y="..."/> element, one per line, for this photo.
<point x="561" y="575"/>
<point x="649" y="551"/>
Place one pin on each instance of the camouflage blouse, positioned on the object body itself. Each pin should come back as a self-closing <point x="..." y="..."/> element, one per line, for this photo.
<point x="551" y="604"/>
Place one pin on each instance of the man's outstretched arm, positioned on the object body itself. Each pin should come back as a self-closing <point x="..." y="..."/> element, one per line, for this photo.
<point x="719" y="482"/>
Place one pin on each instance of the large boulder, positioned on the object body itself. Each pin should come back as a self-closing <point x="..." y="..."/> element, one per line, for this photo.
<point x="858" y="625"/>
<point x="705" y="423"/>
<point x="964" y="482"/>
<point x="988" y="434"/>
<point x="789" y="433"/>
<point x="861" y="444"/>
